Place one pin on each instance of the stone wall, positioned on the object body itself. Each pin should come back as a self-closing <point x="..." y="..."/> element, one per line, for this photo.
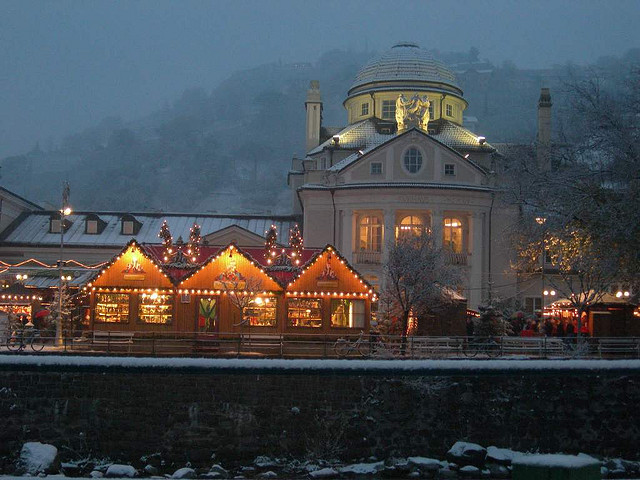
<point x="189" y="414"/>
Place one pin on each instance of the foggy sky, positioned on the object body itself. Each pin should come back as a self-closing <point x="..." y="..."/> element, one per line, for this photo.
<point x="65" y="65"/>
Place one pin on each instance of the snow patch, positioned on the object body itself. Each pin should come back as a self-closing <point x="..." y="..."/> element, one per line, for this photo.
<point x="36" y="457"/>
<point x="122" y="471"/>
<point x="558" y="461"/>
<point x="184" y="473"/>
<point x="363" y="468"/>
<point x="425" y="463"/>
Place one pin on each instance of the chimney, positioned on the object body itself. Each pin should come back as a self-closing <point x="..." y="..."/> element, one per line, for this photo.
<point x="543" y="143"/>
<point x="313" y="106"/>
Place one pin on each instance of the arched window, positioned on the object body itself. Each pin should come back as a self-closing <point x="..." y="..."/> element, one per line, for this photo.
<point x="413" y="160"/>
<point x="410" y="225"/>
<point x="370" y="234"/>
<point x="452" y="235"/>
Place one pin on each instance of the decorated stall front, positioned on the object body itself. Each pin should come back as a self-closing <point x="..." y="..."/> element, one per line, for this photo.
<point x="134" y="293"/>
<point x="328" y="296"/>
<point x="233" y="290"/>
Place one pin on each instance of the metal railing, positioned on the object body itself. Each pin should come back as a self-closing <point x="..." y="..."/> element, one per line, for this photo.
<point x="317" y="345"/>
<point x="367" y="257"/>
<point x="461" y="259"/>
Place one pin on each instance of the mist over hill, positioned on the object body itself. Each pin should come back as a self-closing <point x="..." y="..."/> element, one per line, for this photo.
<point x="229" y="150"/>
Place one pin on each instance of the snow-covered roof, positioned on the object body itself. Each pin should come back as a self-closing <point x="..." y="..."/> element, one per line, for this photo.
<point x="405" y="62"/>
<point x="355" y="136"/>
<point x="364" y="136"/>
<point x="32" y="228"/>
<point x="451" y="135"/>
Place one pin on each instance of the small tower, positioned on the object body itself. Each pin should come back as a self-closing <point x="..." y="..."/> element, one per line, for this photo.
<point x="543" y="144"/>
<point x="314" y="114"/>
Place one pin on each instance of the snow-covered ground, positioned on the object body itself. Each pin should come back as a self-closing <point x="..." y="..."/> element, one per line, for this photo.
<point x="439" y="366"/>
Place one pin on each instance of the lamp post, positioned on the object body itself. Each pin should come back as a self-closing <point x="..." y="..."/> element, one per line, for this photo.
<point x="64" y="212"/>
<point x="541" y="221"/>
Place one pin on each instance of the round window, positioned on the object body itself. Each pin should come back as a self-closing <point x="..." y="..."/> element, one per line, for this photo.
<point x="413" y="160"/>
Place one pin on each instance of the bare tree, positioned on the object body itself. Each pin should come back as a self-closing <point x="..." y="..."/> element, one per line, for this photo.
<point x="242" y="292"/>
<point x="584" y="213"/>
<point x="417" y="277"/>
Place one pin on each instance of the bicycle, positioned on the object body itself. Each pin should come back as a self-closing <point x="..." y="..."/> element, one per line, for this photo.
<point x="344" y="347"/>
<point x="574" y="348"/>
<point x="486" y="345"/>
<point x="22" y="338"/>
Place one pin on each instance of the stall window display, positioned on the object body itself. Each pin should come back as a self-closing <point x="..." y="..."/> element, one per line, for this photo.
<point x="155" y="308"/>
<point x="305" y="312"/>
<point x="112" y="308"/>
<point x="347" y="313"/>
<point x="261" y="313"/>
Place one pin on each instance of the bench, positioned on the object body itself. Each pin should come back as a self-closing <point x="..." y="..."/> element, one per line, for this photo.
<point x="112" y="339"/>
<point x="532" y="345"/>
<point x="430" y="346"/>
<point x="614" y="346"/>
<point x="257" y="344"/>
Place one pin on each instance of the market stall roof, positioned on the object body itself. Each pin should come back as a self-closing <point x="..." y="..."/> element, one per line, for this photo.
<point x="280" y="270"/>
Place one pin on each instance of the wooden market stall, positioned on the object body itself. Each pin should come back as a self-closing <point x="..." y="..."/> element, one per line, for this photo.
<point x="230" y="290"/>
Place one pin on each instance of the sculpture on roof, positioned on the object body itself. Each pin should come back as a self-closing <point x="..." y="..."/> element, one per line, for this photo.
<point x="412" y="113"/>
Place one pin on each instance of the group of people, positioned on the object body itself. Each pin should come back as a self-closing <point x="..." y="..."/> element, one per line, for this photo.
<point x="553" y="327"/>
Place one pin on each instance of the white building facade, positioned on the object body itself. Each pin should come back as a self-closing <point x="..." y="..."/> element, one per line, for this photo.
<point x="389" y="173"/>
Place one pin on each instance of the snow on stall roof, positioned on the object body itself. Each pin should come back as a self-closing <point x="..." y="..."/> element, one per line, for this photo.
<point x="561" y="461"/>
<point x="435" y="367"/>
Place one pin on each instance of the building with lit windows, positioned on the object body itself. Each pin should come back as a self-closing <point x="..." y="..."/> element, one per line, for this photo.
<point x="403" y="164"/>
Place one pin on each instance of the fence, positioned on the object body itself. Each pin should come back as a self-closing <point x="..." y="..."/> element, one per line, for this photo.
<point x="314" y="345"/>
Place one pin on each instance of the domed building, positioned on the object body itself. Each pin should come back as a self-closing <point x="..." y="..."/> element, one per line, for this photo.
<point x="403" y="163"/>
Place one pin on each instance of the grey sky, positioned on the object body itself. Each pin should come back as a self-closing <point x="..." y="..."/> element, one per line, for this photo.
<point x="65" y="65"/>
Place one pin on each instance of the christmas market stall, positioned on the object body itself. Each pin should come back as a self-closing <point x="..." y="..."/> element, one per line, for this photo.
<point x="133" y="293"/>
<point x="328" y="296"/>
<point x="230" y="292"/>
<point x="612" y="315"/>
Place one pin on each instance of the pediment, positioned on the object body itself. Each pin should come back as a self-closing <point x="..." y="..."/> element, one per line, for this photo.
<point x="234" y="234"/>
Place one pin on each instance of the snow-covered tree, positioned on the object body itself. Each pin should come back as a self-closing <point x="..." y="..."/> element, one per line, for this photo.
<point x="70" y="319"/>
<point x="417" y="278"/>
<point x="492" y="321"/>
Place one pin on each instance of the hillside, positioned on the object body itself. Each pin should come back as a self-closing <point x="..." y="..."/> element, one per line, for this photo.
<point x="229" y="150"/>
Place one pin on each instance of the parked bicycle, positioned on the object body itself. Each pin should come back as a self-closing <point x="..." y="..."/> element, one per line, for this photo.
<point x="345" y="347"/>
<point x="22" y="338"/>
<point x="484" y="345"/>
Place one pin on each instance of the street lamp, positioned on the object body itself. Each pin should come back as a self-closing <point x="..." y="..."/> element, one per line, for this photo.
<point x="65" y="211"/>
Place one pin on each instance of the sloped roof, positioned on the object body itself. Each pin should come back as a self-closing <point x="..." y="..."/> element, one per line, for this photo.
<point x="458" y="133"/>
<point x="364" y="136"/>
<point x="33" y="228"/>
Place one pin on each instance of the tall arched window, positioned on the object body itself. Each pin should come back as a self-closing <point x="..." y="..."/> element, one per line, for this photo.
<point x="452" y="235"/>
<point x="370" y="234"/>
<point x="410" y="225"/>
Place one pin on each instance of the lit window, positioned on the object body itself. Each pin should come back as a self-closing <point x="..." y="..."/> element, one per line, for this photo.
<point x="92" y="227"/>
<point x="413" y="160"/>
<point x="409" y="225"/>
<point x="449" y="110"/>
<point x="155" y="308"/>
<point x="389" y="109"/>
<point x="54" y="225"/>
<point x="304" y="312"/>
<point x="127" y="227"/>
<point x="376" y="168"/>
<point x="112" y="308"/>
<point x="365" y="109"/>
<point x="261" y="313"/>
<point x="347" y="313"/>
<point x="370" y="234"/>
<point x="449" y="169"/>
<point x="452" y="235"/>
